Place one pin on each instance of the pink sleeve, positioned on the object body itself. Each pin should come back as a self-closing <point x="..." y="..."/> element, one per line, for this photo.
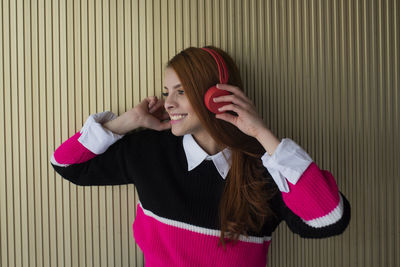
<point x="72" y="152"/>
<point x="315" y="197"/>
<point x="93" y="139"/>
<point x="310" y="193"/>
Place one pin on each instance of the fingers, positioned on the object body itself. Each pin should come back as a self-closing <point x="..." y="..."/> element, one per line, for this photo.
<point x="232" y="107"/>
<point x="147" y="103"/>
<point x="226" y="117"/>
<point x="157" y="104"/>
<point x="165" y="116"/>
<point x="152" y="100"/>
<point x="235" y="100"/>
<point x="163" y="126"/>
<point x="234" y="90"/>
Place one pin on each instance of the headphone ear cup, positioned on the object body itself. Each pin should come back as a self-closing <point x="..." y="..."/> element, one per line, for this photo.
<point x="212" y="93"/>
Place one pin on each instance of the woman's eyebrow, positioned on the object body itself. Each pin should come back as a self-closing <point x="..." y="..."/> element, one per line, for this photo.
<point x="174" y="87"/>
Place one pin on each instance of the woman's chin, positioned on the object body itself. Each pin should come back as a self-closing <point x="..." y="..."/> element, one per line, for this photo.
<point x="176" y="132"/>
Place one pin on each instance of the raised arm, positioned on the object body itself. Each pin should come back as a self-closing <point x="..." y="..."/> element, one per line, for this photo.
<point x="94" y="155"/>
<point x="312" y="204"/>
<point x="98" y="154"/>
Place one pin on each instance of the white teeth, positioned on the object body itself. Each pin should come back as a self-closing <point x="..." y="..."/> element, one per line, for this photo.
<point x="177" y="117"/>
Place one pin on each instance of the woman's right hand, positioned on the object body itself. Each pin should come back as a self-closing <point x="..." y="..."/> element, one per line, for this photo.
<point x="150" y="113"/>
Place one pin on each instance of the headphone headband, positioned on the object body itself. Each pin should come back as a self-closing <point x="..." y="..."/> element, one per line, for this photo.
<point x="222" y="69"/>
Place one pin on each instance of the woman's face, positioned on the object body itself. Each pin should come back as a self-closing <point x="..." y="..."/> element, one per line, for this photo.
<point x="183" y="118"/>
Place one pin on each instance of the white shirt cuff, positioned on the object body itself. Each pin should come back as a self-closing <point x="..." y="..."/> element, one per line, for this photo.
<point x="94" y="136"/>
<point x="288" y="163"/>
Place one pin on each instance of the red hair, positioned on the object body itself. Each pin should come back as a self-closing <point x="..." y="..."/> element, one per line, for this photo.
<point x="244" y="203"/>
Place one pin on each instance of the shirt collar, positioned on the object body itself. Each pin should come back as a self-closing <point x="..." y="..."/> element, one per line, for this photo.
<point x="195" y="156"/>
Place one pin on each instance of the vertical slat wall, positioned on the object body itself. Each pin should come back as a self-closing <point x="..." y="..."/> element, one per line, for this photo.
<point x="324" y="73"/>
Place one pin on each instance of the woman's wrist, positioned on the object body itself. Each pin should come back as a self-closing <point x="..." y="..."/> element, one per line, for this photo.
<point x="268" y="140"/>
<point x="122" y="124"/>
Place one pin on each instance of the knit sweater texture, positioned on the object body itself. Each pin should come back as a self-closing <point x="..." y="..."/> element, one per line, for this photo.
<point x="177" y="215"/>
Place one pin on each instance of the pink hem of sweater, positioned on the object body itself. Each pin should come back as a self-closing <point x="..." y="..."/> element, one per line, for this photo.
<point x="167" y="245"/>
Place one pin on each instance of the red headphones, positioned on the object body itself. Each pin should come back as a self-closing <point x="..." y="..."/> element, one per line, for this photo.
<point x="213" y="91"/>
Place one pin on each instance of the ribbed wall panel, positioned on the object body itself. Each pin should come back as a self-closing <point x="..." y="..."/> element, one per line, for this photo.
<point x="324" y="73"/>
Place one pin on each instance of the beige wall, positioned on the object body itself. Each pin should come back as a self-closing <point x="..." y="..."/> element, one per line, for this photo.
<point x="324" y="73"/>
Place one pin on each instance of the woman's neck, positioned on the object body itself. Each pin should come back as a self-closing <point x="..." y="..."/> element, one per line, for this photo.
<point x="207" y="143"/>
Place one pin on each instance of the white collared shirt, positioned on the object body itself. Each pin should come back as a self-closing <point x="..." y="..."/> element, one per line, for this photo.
<point x="288" y="162"/>
<point x="195" y="156"/>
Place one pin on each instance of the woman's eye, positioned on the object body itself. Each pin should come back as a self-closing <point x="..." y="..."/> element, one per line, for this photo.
<point x="181" y="92"/>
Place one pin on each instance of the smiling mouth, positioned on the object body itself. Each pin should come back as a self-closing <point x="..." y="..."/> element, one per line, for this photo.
<point x="177" y="118"/>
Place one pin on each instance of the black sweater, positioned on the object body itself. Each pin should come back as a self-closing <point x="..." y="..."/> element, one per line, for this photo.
<point x="177" y="220"/>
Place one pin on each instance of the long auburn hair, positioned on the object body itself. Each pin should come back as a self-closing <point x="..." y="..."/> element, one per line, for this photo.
<point x="244" y="203"/>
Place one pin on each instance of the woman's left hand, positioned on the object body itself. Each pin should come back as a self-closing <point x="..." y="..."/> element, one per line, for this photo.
<point x="248" y="119"/>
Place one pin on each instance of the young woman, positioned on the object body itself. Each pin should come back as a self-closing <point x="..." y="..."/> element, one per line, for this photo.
<point x="212" y="187"/>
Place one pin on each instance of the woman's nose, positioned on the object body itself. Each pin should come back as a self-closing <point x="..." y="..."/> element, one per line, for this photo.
<point x="169" y="103"/>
